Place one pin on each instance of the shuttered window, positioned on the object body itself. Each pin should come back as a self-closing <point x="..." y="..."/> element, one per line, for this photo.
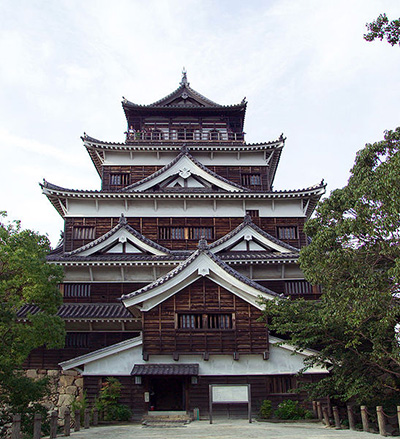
<point x="119" y="179"/>
<point x="84" y="232"/>
<point x="194" y="233"/>
<point x="205" y="321"/>
<point x="76" y="290"/>
<point x="287" y="232"/>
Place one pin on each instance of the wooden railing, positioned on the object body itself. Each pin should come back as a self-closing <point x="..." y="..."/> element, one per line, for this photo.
<point x="184" y="135"/>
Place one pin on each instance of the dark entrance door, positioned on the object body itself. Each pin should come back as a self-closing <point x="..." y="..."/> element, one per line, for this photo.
<point x="167" y="393"/>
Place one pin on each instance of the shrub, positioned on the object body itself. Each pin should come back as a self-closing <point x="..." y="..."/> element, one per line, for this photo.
<point x="291" y="410"/>
<point x="265" y="409"/>
<point x="107" y="402"/>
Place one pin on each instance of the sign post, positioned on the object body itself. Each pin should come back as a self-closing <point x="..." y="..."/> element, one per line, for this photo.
<point x="230" y="394"/>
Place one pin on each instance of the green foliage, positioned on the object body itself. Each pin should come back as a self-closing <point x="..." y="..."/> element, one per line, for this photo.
<point x="381" y="28"/>
<point x="265" y="409"/>
<point x="25" y="278"/>
<point x="290" y="409"/>
<point x="354" y="256"/>
<point x="107" y="402"/>
<point x="79" y="404"/>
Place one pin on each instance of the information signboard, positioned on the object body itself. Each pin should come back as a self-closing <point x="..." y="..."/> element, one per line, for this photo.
<point x="230" y="394"/>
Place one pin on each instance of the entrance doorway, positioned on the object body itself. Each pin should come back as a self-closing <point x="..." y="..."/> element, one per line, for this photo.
<point x="167" y="393"/>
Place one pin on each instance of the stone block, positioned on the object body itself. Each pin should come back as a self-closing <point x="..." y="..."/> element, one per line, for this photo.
<point x="66" y="380"/>
<point x="79" y="382"/>
<point x="31" y="373"/>
<point x="53" y="372"/>
<point x="71" y="390"/>
<point x="69" y="372"/>
<point x="65" y="400"/>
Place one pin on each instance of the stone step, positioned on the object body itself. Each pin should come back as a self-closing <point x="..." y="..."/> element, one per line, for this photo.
<point x="165" y="420"/>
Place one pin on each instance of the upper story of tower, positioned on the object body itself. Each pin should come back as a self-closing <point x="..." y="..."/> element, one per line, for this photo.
<point x="184" y="116"/>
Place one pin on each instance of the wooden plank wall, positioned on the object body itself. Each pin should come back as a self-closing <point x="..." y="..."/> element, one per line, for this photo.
<point x="231" y="173"/>
<point x="161" y="335"/>
<point x="149" y="228"/>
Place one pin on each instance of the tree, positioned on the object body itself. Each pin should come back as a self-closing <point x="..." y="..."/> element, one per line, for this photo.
<point x="355" y="256"/>
<point x="25" y="278"/>
<point x="381" y="28"/>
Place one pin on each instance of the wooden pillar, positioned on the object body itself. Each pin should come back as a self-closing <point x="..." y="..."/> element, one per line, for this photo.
<point x="67" y="422"/>
<point x="326" y="416"/>
<point x="95" y="417"/>
<point x="53" y="424"/>
<point x="86" y="422"/>
<point x="319" y="411"/>
<point x="37" y="426"/>
<point x="381" y="420"/>
<point x="364" y="418"/>
<point x="350" y="414"/>
<point x="16" y="427"/>
<point x="314" y="409"/>
<point x="398" y="415"/>
<point x="336" y="417"/>
<point x="77" y="420"/>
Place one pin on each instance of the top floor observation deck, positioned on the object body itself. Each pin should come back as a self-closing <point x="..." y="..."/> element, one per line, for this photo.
<point x="183" y="134"/>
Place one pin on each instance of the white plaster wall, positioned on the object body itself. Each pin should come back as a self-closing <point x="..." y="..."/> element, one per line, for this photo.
<point x="84" y="207"/>
<point x="280" y="362"/>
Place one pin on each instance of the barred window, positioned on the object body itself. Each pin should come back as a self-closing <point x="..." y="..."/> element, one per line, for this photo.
<point x="298" y="287"/>
<point x="194" y="233"/>
<point x="253" y="213"/>
<point x="84" y="232"/>
<point x="281" y="384"/>
<point x="77" y="340"/>
<point x="76" y="290"/>
<point x="190" y="321"/>
<point x="205" y="321"/>
<point x="251" y="179"/>
<point x="119" y="179"/>
<point x="287" y="232"/>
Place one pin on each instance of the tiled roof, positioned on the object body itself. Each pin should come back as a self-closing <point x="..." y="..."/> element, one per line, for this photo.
<point x="248" y="222"/>
<point x="165" y="369"/>
<point x="78" y="311"/>
<point x="184" y="153"/>
<point x="122" y="224"/>
<point x="203" y="248"/>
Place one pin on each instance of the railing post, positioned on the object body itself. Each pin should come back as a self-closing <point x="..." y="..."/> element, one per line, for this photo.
<point x="16" y="426"/>
<point x="86" y="421"/>
<point x="336" y="417"/>
<point x="95" y="417"/>
<point x="326" y="416"/>
<point x="37" y="426"/>
<point x="319" y="410"/>
<point x="350" y="415"/>
<point x="77" y="426"/>
<point x="381" y="420"/>
<point x="53" y="424"/>
<point x="398" y="415"/>
<point x="364" y="418"/>
<point x="67" y="422"/>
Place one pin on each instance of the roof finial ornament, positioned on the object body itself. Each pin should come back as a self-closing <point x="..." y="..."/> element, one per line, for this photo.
<point x="247" y="219"/>
<point x="184" y="77"/>
<point x="202" y="243"/>
<point x="122" y="219"/>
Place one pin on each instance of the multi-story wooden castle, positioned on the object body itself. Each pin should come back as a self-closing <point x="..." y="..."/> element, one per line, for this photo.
<point x="166" y="264"/>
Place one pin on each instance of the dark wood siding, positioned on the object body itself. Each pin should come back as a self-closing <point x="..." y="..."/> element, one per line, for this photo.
<point x="162" y="336"/>
<point x="149" y="227"/>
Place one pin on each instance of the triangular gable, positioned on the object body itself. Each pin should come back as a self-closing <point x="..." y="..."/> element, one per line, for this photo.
<point x="185" y="173"/>
<point x="201" y="263"/>
<point x="122" y="239"/>
<point x="250" y="238"/>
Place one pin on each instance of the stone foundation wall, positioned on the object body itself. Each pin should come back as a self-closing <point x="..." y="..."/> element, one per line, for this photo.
<point x="65" y="386"/>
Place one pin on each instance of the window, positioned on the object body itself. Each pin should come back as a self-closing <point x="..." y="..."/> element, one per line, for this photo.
<point x="299" y="287"/>
<point x="77" y="340"/>
<point x="287" y="232"/>
<point x="205" y="321"/>
<point x="251" y="179"/>
<point x="214" y="135"/>
<point x="190" y="321"/>
<point x="281" y="384"/>
<point x="194" y="233"/>
<point x="119" y="179"/>
<point x="83" y="232"/>
<point x="76" y="290"/>
<point x="253" y="213"/>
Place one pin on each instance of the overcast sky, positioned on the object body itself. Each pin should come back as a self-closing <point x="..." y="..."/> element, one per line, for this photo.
<point x="302" y="64"/>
